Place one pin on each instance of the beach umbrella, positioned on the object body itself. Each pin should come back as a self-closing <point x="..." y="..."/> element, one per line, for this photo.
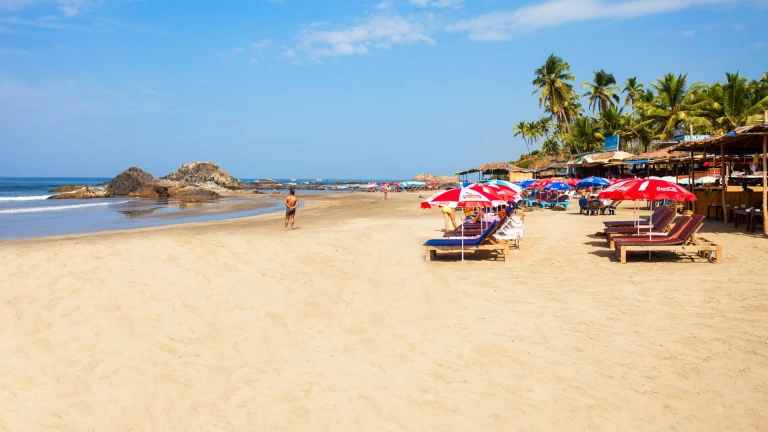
<point x="669" y="179"/>
<point x="558" y="186"/>
<point x="510" y="185"/>
<point x="526" y="183"/>
<point x="474" y="196"/>
<point x="572" y="181"/>
<point x="650" y="190"/>
<point x="590" y="182"/>
<point x="503" y="191"/>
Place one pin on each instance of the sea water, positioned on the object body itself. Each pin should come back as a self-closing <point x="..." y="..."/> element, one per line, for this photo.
<point x="26" y="212"/>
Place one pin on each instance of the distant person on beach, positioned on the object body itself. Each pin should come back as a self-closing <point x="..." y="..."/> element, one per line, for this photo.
<point x="386" y="191"/>
<point x="291" y="203"/>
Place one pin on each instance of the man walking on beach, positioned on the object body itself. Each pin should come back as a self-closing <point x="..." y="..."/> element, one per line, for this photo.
<point x="291" y="203"/>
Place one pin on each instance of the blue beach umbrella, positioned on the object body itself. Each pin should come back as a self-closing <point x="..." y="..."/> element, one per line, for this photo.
<point x="590" y="182"/>
<point x="558" y="186"/>
<point x="526" y="183"/>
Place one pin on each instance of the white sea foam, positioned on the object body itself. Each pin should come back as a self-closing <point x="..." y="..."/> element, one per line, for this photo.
<point x="56" y="208"/>
<point x="24" y="198"/>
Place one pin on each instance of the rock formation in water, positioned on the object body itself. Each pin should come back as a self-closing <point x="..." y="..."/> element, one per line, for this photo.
<point x="131" y="181"/>
<point x="204" y="175"/>
<point x="82" y="193"/>
<point x="66" y="188"/>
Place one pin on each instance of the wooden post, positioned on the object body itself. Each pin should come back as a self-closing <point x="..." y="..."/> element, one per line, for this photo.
<point x="765" y="181"/>
<point x="690" y="180"/>
<point x="722" y="183"/>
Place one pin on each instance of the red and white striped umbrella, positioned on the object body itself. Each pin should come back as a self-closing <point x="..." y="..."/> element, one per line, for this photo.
<point x="468" y="197"/>
<point x="651" y="190"/>
<point x="505" y="192"/>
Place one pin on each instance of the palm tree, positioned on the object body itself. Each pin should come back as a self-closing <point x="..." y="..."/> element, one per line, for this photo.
<point x="602" y="91"/>
<point x="550" y="146"/>
<point x="612" y="121"/>
<point x="585" y="133"/>
<point x="735" y="103"/>
<point x="676" y="103"/>
<point x="521" y="129"/>
<point x="535" y="131"/>
<point x="546" y="126"/>
<point x="634" y="91"/>
<point x="555" y="91"/>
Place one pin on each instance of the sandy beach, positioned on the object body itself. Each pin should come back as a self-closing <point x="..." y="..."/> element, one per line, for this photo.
<point x="340" y="325"/>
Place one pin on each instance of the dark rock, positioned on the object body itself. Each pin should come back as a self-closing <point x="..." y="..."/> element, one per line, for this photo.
<point x="131" y="181"/>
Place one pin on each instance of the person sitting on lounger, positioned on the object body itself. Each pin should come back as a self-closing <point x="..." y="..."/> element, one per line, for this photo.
<point x="488" y="217"/>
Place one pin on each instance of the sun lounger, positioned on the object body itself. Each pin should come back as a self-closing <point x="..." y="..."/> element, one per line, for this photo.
<point x="611" y="208"/>
<point x="659" y="227"/>
<point x="485" y="241"/>
<point x="681" y="239"/>
<point x="658" y="212"/>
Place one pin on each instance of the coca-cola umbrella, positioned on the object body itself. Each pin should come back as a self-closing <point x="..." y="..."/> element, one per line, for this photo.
<point x="473" y="196"/>
<point x="650" y="190"/>
<point x="507" y="193"/>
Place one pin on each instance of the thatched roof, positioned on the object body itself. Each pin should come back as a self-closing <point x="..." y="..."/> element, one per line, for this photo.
<point x="599" y="158"/>
<point x="494" y="168"/>
<point x="655" y="155"/>
<point x="745" y="139"/>
<point x="499" y="166"/>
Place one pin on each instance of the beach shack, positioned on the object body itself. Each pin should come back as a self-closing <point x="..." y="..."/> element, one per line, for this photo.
<point x="498" y="170"/>
<point x="739" y="159"/>
<point x="598" y="164"/>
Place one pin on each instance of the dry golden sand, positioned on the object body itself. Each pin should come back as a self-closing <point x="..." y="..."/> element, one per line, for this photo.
<point x="340" y="325"/>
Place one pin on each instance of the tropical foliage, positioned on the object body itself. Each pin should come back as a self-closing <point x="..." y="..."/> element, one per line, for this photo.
<point x="650" y="112"/>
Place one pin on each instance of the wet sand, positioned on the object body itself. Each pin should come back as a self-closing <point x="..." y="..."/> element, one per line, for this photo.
<point x="341" y="325"/>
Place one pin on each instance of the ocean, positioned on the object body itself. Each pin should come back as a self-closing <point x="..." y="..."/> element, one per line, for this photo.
<point x="25" y="212"/>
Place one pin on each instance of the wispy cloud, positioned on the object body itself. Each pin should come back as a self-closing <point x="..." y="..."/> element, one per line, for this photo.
<point x="757" y="46"/>
<point x="437" y="3"/>
<point x="260" y="45"/>
<point x="376" y="32"/>
<point x="504" y="25"/>
<point x="688" y="33"/>
<point x="68" y="8"/>
<point x="291" y="56"/>
<point x="13" y="52"/>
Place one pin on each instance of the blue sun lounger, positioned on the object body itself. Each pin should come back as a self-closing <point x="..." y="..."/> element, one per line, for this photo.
<point x="469" y="244"/>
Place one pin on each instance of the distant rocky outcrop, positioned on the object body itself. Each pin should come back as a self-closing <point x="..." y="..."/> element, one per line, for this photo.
<point x="130" y="182"/>
<point x="66" y="188"/>
<point x="82" y="193"/>
<point x="425" y="178"/>
<point x="204" y="175"/>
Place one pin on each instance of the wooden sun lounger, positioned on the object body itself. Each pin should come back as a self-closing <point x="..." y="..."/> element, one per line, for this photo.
<point x="658" y="212"/>
<point x="659" y="228"/>
<point x="682" y="239"/>
<point x="472" y="244"/>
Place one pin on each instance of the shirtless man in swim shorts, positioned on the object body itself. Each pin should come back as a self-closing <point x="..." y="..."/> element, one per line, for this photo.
<point x="291" y="203"/>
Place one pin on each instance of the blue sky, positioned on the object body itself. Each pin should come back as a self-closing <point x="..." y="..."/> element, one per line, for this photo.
<point x="342" y="89"/>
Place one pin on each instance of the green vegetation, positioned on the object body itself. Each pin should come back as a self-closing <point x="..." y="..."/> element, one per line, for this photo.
<point x="650" y="111"/>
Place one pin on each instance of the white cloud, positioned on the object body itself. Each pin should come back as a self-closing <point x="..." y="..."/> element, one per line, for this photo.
<point x="383" y="29"/>
<point x="291" y="56"/>
<point x="757" y="46"/>
<point x="254" y="61"/>
<point x="68" y="8"/>
<point x="688" y="33"/>
<point x="261" y="45"/>
<point x="739" y="27"/>
<point x="504" y="25"/>
<point x="437" y="3"/>
<point x="386" y="4"/>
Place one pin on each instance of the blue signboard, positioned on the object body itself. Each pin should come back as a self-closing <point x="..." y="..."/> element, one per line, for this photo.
<point x="678" y="134"/>
<point x="612" y="143"/>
